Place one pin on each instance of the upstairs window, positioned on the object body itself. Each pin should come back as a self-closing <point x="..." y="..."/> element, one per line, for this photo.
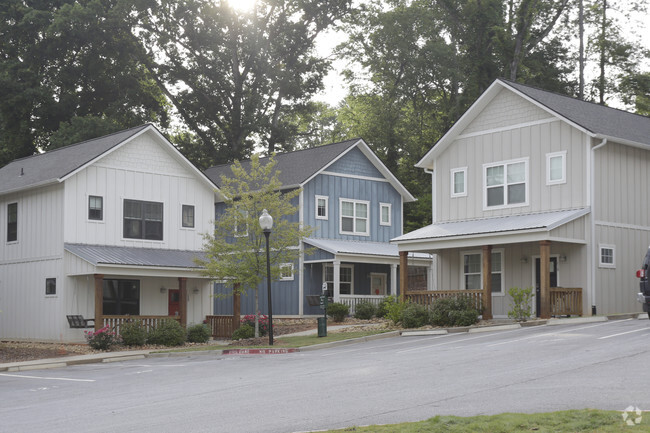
<point x="506" y="184"/>
<point x="50" y="286"/>
<point x="384" y="214"/>
<point x="95" y="208"/>
<point x="354" y="217"/>
<point x="188" y="216"/>
<point x="458" y="182"/>
<point x="555" y="168"/>
<point x="143" y="220"/>
<point x="321" y="207"/>
<point x="241" y="223"/>
<point x="12" y="222"/>
<point x="286" y="272"/>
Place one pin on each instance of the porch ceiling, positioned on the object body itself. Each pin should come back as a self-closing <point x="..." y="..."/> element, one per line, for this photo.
<point x="134" y="261"/>
<point x="490" y="231"/>
<point x="362" y="252"/>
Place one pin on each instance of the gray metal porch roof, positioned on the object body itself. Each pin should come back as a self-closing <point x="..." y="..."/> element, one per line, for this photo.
<point x="545" y="221"/>
<point x="131" y="256"/>
<point x="359" y="248"/>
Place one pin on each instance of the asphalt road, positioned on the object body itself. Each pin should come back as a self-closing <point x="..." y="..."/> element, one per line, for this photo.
<point x="603" y="365"/>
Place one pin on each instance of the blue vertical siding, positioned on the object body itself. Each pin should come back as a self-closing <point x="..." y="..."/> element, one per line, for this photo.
<point x="284" y="297"/>
<point x="356" y="163"/>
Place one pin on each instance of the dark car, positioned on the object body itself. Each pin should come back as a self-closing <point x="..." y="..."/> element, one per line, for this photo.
<point x="642" y="274"/>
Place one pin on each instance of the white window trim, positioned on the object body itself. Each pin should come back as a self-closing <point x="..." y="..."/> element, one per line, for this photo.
<point x="327" y="205"/>
<point x="505" y="183"/>
<point x="342" y="266"/>
<point x="452" y="175"/>
<point x="383" y="276"/>
<point x="381" y="207"/>
<point x="286" y="265"/>
<point x="94" y="221"/>
<point x="561" y="154"/>
<point x="354" y="232"/>
<point x="501" y="251"/>
<point x="601" y="247"/>
<point x="194" y="222"/>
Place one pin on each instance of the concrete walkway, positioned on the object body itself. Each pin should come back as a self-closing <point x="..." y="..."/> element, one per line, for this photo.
<point x="41" y="364"/>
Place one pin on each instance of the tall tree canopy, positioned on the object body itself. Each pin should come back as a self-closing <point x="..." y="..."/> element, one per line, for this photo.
<point x="64" y="60"/>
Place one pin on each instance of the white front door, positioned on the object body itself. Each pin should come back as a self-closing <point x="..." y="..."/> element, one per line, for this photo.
<point x="378" y="284"/>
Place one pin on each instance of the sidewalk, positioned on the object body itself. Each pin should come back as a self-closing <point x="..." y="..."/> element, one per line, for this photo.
<point x="42" y="364"/>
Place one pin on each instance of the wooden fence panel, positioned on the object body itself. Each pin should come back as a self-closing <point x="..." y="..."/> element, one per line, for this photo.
<point x="221" y="326"/>
<point x="566" y="301"/>
<point x="148" y="322"/>
<point x="426" y="297"/>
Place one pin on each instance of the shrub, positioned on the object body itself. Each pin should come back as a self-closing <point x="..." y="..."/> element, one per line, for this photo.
<point x="414" y="316"/>
<point x="133" y="334"/>
<point x="198" y="333"/>
<point x="395" y="311"/>
<point x="249" y="319"/>
<point x="337" y="311"/>
<point x="167" y="333"/>
<point x="521" y="303"/>
<point x="384" y="306"/>
<point x="102" y="339"/>
<point x="453" y="311"/>
<point x="364" y="310"/>
<point x="243" y="332"/>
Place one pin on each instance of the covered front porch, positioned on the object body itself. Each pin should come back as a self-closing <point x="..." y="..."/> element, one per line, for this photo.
<point x="113" y="285"/>
<point x="355" y="272"/>
<point x="546" y="251"/>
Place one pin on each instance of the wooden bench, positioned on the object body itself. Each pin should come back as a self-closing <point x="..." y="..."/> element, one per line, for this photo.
<point x="78" y="321"/>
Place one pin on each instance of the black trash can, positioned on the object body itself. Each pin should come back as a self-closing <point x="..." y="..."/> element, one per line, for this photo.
<point x="322" y="326"/>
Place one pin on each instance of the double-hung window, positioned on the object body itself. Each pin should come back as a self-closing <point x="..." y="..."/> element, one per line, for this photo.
<point x="121" y="297"/>
<point x="354" y="217"/>
<point x="187" y="216"/>
<point x="321" y="207"/>
<point x="472" y="271"/>
<point x="556" y="168"/>
<point x="241" y="223"/>
<point x="346" y="279"/>
<point x="506" y="184"/>
<point x="286" y="272"/>
<point x="12" y="222"/>
<point x="384" y="214"/>
<point x="143" y="220"/>
<point x="95" y="208"/>
<point x="459" y="182"/>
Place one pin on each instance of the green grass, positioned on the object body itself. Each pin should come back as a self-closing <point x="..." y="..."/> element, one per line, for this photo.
<point x="572" y="421"/>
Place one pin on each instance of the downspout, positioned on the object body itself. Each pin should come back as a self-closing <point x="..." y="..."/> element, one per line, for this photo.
<point x="594" y="245"/>
<point x="301" y="257"/>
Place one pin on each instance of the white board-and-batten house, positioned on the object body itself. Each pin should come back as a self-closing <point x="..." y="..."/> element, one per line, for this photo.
<point x="107" y="229"/>
<point x="536" y="189"/>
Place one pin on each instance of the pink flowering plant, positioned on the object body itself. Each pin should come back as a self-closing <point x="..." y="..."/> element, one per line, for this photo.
<point x="249" y="319"/>
<point x="102" y="339"/>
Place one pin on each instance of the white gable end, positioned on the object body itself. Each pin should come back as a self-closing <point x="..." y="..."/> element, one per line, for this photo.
<point x="506" y="109"/>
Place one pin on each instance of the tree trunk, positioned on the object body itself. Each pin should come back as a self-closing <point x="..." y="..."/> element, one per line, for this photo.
<point x="603" y="36"/>
<point x="581" y="32"/>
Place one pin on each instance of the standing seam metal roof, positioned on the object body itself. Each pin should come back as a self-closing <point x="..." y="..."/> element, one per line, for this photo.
<point x="131" y="256"/>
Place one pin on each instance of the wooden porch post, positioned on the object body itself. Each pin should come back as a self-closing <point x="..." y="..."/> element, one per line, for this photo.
<point x="99" y="301"/>
<point x="545" y="279"/>
<point x="487" y="282"/>
<point x="403" y="274"/>
<point x="182" y="286"/>
<point x="236" y="307"/>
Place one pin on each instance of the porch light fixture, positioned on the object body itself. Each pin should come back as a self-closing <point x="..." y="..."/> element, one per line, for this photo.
<point x="524" y="260"/>
<point x="563" y="258"/>
<point x="163" y="290"/>
<point x="195" y="290"/>
<point x="266" y="223"/>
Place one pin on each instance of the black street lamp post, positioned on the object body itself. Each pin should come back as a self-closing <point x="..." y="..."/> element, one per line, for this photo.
<point x="266" y="223"/>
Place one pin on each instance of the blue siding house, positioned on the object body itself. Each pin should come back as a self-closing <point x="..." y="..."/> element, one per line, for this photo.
<point x="355" y="206"/>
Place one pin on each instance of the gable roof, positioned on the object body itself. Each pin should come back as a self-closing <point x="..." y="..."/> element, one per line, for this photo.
<point x="299" y="167"/>
<point x="57" y="165"/>
<point x="597" y="121"/>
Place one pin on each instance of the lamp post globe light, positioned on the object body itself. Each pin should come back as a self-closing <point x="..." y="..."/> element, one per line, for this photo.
<point x="266" y="223"/>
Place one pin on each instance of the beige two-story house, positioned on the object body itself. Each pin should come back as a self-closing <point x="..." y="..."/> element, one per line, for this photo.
<point x="535" y="189"/>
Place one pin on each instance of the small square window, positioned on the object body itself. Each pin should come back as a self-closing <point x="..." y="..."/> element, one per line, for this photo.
<point x="286" y="272"/>
<point x="95" y="208"/>
<point x="606" y="258"/>
<point x="384" y="214"/>
<point x="321" y="207"/>
<point x="50" y="286"/>
<point x="458" y="182"/>
<point x="188" y="216"/>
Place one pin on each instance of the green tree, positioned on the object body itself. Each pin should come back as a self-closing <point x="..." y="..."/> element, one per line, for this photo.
<point x="239" y="258"/>
<point x="236" y="78"/>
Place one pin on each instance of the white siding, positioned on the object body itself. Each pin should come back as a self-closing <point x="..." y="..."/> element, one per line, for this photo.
<point x="532" y="142"/>
<point x="140" y="170"/>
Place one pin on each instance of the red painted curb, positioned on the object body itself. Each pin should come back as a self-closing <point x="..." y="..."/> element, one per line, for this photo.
<point x="258" y="351"/>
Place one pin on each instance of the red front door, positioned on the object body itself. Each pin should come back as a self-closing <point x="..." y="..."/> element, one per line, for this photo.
<point x="174" y="302"/>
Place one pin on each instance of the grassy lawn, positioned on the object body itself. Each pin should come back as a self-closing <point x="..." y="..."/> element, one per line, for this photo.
<point x="595" y="421"/>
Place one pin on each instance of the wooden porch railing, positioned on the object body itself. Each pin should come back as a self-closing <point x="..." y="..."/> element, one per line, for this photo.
<point x="149" y="322"/>
<point x="426" y="297"/>
<point x="353" y="300"/>
<point x="566" y="301"/>
<point x="221" y="326"/>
